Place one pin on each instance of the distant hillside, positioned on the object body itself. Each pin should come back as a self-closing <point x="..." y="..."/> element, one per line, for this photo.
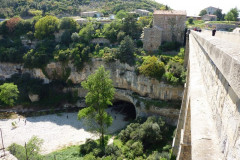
<point x="24" y="8"/>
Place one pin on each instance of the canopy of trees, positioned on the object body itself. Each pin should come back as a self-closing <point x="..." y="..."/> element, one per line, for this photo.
<point x="232" y="15"/>
<point x="11" y="8"/>
<point x="46" y="26"/>
<point x="8" y="93"/>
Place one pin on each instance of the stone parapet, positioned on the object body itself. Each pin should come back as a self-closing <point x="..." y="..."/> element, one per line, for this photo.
<point x="225" y="55"/>
<point x="218" y="61"/>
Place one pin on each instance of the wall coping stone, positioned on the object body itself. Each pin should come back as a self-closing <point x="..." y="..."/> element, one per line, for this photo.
<point x="225" y="55"/>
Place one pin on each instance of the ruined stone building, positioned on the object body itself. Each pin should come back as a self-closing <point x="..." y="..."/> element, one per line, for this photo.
<point x="167" y="26"/>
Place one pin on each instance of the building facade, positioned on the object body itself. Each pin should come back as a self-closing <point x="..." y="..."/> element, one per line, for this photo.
<point x="142" y="12"/>
<point x="171" y="24"/>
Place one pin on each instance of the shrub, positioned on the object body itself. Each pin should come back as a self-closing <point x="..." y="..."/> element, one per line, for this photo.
<point x="190" y="20"/>
<point x="152" y="67"/>
<point x="169" y="46"/>
<point x="33" y="149"/>
<point x="112" y="150"/>
<point x="139" y="43"/>
<point x="75" y="37"/>
<point x="137" y="148"/>
<point x="66" y="37"/>
<point x="88" y="147"/>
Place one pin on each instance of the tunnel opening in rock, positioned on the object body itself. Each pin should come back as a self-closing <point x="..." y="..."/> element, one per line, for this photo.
<point x="125" y="108"/>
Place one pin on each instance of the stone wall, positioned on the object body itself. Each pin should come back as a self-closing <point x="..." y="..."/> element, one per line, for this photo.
<point x="214" y="71"/>
<point x="222" y="26"/>
<point x="100" y="41"/>
<point x="220" y="67"/>
<point x="152" y="38"/>
<point x="173" y="26"/>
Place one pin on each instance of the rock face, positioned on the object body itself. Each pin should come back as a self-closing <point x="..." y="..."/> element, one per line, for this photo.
<point x="125" y="79"/>
<point x="33" y="97"/>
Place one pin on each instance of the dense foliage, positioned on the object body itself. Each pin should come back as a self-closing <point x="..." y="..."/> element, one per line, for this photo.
<point x="126" y="51"/>
<point x="143" y="139"/>
<point x="11" y="8"/>
<point x="232" y="15"/>
<point x="152" y="67"/>
<point x="32" y="149"/>
<point x="8" y="93"/>
<point x="46" y="26"/>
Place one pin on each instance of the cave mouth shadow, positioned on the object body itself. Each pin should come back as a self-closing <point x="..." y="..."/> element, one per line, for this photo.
<point x="125" y="108"/>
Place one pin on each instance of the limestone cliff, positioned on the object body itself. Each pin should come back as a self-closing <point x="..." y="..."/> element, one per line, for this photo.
<point x="131" y="87"/>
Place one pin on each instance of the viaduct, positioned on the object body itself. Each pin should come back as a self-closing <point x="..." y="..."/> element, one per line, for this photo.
<point x="209" y="120"/>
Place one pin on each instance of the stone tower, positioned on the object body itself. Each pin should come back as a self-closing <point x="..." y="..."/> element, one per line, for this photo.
<point x="168" y="25"/>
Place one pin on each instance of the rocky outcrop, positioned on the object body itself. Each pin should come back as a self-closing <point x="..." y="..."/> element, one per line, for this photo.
<point x="33" y="97"/>
<point x="130" y="87"/>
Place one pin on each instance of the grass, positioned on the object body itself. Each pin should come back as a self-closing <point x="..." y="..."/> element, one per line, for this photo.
<point x="201" y="23"/>
<point x="69" y="153"/>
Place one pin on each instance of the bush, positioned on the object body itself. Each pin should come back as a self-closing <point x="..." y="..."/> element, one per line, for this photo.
<point x="139" y="43"/>
<point x="169" y="46"/>
<point x="112" y="150"/>
<point x="190" y="20"/>
<point x="151" y="133"/>
<point x="88" y="147"/>
<point x="75" y="37"/>
<point x="152" y="67"/>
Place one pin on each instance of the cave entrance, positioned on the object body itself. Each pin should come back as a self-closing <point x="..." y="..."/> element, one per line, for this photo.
<point x="125" y="108"/>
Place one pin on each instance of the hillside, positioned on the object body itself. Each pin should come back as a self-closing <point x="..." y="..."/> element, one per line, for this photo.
<point x="24" y="8"/>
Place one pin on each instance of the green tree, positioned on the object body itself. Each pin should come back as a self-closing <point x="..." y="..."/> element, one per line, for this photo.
<point x="46" y="26"/>
<point x="100" y="94"/>
<point x="69" y="24"/>
<point x="131" y="27"/>
<point x="203" y="12"/>
<point x="126" y="51"/>
<point x="121" y="14"/>
<point x="190" y="20"/>
<point x="87" y="33"/>
<point x="232" y="15"/>
<point x="152" y="67"/>
<point x="8" y="93"/>
<point x="219" y="14"/>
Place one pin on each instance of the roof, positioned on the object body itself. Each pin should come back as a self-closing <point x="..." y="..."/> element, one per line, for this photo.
<point x="90" y="12"/>
<point x="143" y="10"/>
<point x="170" y="12"/>
<point x="209" y="15"/>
